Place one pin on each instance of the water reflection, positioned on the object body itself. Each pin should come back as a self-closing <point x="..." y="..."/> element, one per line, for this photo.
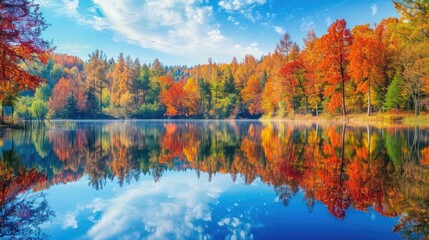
<point x="22" y="212"/>
<point x="343" y="167"/>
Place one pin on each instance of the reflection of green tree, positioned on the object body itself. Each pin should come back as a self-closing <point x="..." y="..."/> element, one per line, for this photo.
<point x="394" y="144"/>
<point x="414" y="207"/>
<point x="41" y="141"/>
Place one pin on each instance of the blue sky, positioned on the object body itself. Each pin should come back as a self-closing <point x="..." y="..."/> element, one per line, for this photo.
<point x="188" y="32"/>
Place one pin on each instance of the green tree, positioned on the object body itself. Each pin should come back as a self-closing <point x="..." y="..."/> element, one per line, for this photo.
<point x="23" y="107"/>
<point x="71" y="107"/>
<point x="395" y="97"/>
<point x="143" y="83"/>
<point x="9" y="101"/>
<point x="39" y="109"/>
<point x="43" y="93"/>
<point x="156" y="71"/>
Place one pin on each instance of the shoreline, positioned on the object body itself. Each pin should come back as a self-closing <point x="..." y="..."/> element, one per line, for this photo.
<point x="376" y="120"/>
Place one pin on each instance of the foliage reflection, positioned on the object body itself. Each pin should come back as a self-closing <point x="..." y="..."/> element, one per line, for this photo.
<point x="340" y="166"/>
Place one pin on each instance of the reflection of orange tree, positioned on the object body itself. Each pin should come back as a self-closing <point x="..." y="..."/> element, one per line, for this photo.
<point x="70" y="147"/>
<point x="172" y="143"/>
<point x="310" y="180"/>
<point x="339" y="166"/>
<point x="284" y="151"/>
<point x="365" y="171"/>
<point x="331" y="170"/>
<point x="121" y="157"/>
<point x="249" y="161"/>
<point x="278" y="148"/>
<point x="121" y="144"/>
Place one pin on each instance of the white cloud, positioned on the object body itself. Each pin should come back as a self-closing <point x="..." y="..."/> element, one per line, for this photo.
<point x="235" y="5"/>
<point x="250" y="15"/>
<point x="232" y="19"/>
<point x="184" y="28"/>
<point x="45" y="3"/>
<point x="70" y="8"/>
<point x="307" y="23"/>
<point x="374" y="9"/>
<point x="180" y="27"/>
<point x="279" y="30"/>
<point x="328" y="21"/>
<point x="175" y="208"/>
<point x="236" y="228"/>
<point x="70" y="220"/>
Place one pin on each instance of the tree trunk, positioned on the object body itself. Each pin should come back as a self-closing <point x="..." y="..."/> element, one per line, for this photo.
<point x="368" y="132"/>
<point x="416" y="106"/>
<point x="306" y="105"/>
<point x="369" y="98"/>
<point x="317" y="111"/>
<point x="101" y="98"/>
<point x="344" y="99"/>
<point x="342" y="153"/>
<point x="343" y="90"/>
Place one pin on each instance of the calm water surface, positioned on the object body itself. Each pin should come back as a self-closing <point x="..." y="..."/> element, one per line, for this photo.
<point x="213" y="180"/>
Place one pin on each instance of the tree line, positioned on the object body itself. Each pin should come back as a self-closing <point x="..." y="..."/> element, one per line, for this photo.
<point x="379" y="68"/>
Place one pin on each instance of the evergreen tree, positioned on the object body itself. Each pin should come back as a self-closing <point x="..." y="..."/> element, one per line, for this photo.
<point x="71" y="107"/>
<point x="394" y="97"/>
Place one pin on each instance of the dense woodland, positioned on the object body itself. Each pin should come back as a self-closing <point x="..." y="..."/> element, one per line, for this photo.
<point x="369" y="68"/>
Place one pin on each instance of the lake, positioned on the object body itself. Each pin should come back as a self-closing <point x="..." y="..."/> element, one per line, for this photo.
<point x="213" y="180"/>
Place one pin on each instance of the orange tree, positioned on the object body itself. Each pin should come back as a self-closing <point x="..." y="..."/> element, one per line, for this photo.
<point x="335" y="47"/>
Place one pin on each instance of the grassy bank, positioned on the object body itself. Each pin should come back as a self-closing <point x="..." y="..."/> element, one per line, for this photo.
<point x="377" y="119"/>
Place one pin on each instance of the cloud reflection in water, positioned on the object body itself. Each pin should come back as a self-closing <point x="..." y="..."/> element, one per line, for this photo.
<point x="176" y="207"/>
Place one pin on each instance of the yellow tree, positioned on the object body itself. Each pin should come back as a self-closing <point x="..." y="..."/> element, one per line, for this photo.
<point x="269" y="98"/>
<point x="414" y="30"/>
<point x="191" y="97"/>
<point x="252" y="94"/>
<point x="245" y="70"/>
<point x="118" y="80"/>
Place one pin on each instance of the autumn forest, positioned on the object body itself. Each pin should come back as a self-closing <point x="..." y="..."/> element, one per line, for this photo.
<point x="382" y="67"/>
<point x="148" y="155"/>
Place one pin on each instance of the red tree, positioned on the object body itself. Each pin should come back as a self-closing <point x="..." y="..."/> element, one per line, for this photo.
<point x="21" y="25"/>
